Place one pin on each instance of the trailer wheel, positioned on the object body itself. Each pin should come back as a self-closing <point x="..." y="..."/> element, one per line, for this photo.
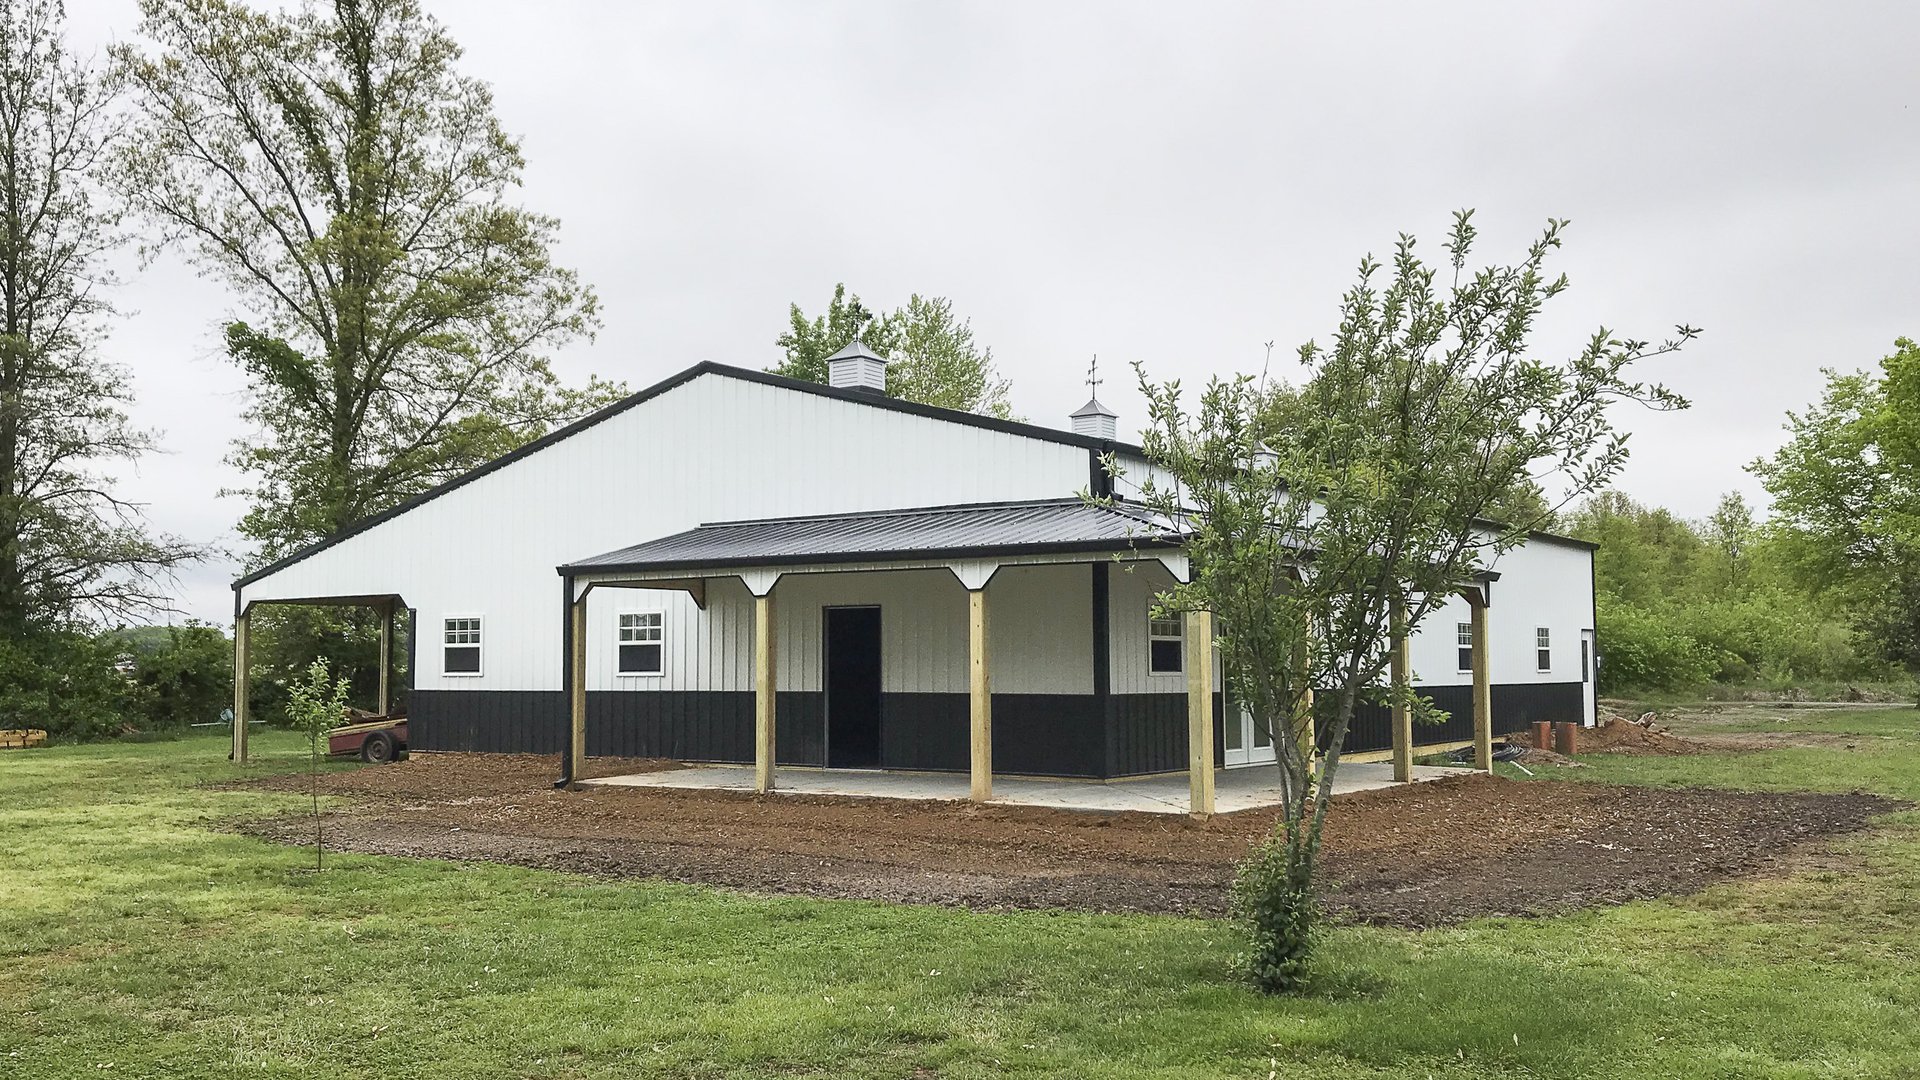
<point x="378" y="749"/>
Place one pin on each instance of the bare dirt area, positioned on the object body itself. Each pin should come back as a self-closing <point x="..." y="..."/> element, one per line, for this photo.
<point x="1421" y="855"/>
<point x="1720" y="727"/>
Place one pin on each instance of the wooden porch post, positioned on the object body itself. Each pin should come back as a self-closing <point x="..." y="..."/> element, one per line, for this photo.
<point x="577" y="706"/>
<point x="386" y="658"/>
<point x="1482" y="687"/>
<point x="1399" y="664"/>
<point x="242" y="666"/>
<point x="763" y="693"/>
<point x="980" y="695"/>
<point x="1199" y="661"/>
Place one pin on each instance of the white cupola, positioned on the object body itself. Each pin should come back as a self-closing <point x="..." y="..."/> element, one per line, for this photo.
<point x="1094" y="419"/>
<point x="857" y="367"/>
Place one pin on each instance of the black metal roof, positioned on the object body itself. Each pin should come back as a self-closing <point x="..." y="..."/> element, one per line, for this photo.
<point x="927" y="532"/>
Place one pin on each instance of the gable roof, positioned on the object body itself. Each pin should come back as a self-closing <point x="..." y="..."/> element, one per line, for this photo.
<point x="705" y="367"/>
<point x="960" y="531"/>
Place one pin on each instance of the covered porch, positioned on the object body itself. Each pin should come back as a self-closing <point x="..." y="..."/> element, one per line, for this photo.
<point x="1234" y="789"/>
<point x="1018" y="612"/>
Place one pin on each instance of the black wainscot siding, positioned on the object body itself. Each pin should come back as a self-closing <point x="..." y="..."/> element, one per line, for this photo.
<point x="494" y="721"/>
<point x="1033" y="734"/>
<point x="1147" y="733"/>
<point x="1515" y="706"/>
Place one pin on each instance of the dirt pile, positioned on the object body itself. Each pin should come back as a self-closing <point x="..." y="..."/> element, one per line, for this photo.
<point x="1642" y="735"/>
<point x="1419" y="855"/>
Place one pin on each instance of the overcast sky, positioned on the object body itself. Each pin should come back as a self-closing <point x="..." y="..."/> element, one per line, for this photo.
<point x="1173" y="184"/>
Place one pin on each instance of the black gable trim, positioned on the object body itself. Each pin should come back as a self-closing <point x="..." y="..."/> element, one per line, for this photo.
<point x="706" y="367"/>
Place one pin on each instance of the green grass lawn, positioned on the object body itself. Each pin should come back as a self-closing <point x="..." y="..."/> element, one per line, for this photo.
<point x="136" y="939"/>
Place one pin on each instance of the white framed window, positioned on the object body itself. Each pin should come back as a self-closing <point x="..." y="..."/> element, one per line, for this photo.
<point x="1543" y="648"/>
<point x="643" y="642"/>
<point x="460" y="645"/>
<point x="1166" y="644"/>
<point x="1463" y="637"/>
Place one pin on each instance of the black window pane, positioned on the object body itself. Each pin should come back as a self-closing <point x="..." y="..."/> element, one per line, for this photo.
<point x="463" y="661"/>
<point x="640" y="659"/>
<point x="1466" y="659"/>
<point x="1165" y="657"/>
<point x="1546" y="659"/>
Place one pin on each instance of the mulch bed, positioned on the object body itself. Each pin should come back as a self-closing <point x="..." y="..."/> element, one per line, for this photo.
<point x="1423" y="855"/>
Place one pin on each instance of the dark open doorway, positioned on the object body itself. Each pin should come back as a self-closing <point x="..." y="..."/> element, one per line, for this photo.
<point x="852" y="664"/>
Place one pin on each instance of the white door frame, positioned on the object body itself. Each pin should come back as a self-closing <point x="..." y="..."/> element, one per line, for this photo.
<point x="1589" y="678"/>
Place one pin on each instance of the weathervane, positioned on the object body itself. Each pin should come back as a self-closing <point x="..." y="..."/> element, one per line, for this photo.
<point x="1093" y="376"/>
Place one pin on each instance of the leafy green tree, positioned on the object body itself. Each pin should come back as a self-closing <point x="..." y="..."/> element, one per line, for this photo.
<point x="333" y="166"/>
<point x="931" y="353"/>
<point x="1360" y="517"/>
<point x="808" y="342"/>
<point x="1646" y="553"/>
<point x="1524" y="506"/>
<point x="71" y="550"/>
<point x="181" y="675"/>
<point x="1846" y="499"/>
<point x="62" y="679"/>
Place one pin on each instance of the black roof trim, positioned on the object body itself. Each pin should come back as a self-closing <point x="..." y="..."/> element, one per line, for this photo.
<point x="867" y="397"/>
<point x="705" y="367"/>
<point x="1537" y="534"/>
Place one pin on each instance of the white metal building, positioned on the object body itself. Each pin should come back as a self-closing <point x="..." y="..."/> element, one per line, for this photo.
<point x="638" y="555"/>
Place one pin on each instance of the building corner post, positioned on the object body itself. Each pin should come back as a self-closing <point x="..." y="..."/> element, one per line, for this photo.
<point x="242" y="669"/>
<point x="1399" y="664"/>
<point x="763" y="693"/>
<point x="980" y="697"/>
<point x="576" y="687"/>
<point x="1482" y="688"/>
<point x="1199" y="664"/>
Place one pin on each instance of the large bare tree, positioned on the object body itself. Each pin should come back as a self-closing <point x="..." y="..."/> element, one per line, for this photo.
<point x="72" y="551"/>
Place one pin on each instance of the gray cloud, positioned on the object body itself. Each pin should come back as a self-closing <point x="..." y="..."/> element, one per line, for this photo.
<point x="1173" y="184"/>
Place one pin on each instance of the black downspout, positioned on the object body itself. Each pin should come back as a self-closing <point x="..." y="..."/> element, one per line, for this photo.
<point x="236" y="656"/>
<point x="566" y="679"/>
<point x="1103" y="665"/>
<point x="1099" y="480"/>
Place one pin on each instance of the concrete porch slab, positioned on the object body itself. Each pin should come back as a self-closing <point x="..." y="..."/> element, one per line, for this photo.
<point x="1234" y="789"/>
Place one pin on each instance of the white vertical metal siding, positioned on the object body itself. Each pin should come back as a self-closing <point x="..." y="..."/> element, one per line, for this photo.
<point x="1542" y="583"/>
<point x="1130" y="592"/>
<point x="715" y="448"/>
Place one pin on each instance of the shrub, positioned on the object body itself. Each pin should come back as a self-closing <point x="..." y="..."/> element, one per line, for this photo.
<point x="62" y="682"/>
<point x="1641" y="650"/>
<point x="182" y="675"/>
<point x="1279" y="913"/>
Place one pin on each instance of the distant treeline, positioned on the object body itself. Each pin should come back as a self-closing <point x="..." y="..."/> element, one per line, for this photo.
<point x="1685" y="605"/>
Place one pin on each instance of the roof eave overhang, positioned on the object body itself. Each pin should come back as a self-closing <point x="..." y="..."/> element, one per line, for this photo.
<point x="1154" y="543"/>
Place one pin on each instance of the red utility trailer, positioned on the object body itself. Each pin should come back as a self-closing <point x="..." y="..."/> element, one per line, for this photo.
<point x="376" y="739"/>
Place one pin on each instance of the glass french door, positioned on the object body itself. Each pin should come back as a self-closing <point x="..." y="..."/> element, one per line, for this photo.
<point x="1245" y="742"/>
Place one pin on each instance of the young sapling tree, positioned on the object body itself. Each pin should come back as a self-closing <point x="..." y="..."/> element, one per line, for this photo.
<point x="316" y="704"/>
<point x="1325" y="521"/>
